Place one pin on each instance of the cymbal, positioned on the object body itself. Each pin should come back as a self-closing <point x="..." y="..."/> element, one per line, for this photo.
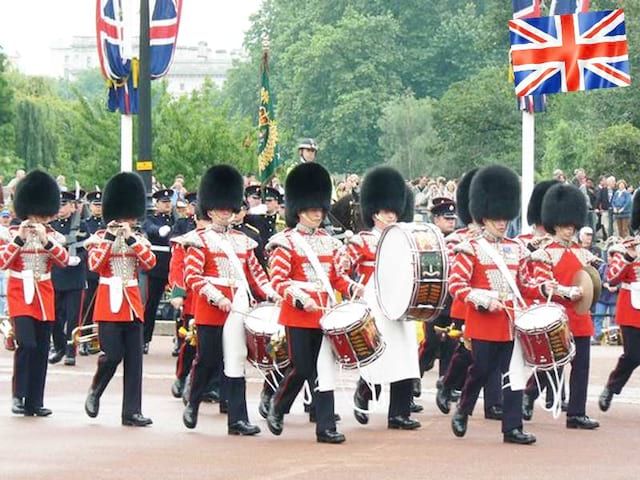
<point x="583" y="279"/>
<point x="597" y="283"/>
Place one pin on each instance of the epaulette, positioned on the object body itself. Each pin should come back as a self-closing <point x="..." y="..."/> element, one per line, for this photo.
<point x="94" y="239"/>
<point x="252" y="228"/>
<point x="279" y="240"/>
<point x="356" y="240"/>
<point x="192" y="239"/>
<point x="540" y="255"/>
<point x="464" y="247"/>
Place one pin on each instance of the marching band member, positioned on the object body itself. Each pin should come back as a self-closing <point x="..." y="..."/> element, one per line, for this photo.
<point x="303" y="272"/>
<point x="564" y="211"/>
<point x="624" y="270"/>
<point x="477" y="278"/>
<point x="116" y="253"/>
<point x="221" y="268"/>
<point x="29" y="256"/>
<point x="382" y="201"/>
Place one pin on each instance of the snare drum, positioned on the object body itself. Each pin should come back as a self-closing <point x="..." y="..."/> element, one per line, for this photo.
<point x="411" y="271"/>
<point x="266" y="339"/>
<point x="353" y="334"/>
<point x="543" y="333"/>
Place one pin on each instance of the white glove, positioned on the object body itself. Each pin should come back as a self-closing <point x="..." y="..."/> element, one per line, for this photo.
<point x="164" y="230"/>
<point x="74" y="261"/>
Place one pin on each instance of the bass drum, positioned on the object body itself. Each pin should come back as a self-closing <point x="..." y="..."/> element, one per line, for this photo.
<point x="411" y="274"/>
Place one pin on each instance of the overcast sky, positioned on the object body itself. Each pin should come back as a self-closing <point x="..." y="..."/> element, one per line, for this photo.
<point x="30" y="27"/>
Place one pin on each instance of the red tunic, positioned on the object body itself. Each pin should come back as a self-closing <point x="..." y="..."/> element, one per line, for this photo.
<point x="475" y="279"/>
<point x="210" y="274"/>
<point x="288" y="264"/>
<point x="176" y="275"/>
<point x="623" y="272"/>
<point x="561" y="262"/>
<point x="32" y="256"/>
<point x="458" y="307"/>
<point x="359" y="254"/>
<point x="115" y="258"/>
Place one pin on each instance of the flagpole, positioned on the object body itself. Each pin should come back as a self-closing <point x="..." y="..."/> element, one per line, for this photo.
<point x="144" y="164"/>
<point x="126" y="121"/>
<point x="528" y="155"/>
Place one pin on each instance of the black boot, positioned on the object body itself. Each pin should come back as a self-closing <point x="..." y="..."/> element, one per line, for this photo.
<point x="177" y="387"/>
<point x="361" y="417"/>
<point x="402" y="423"/>
<point x="604" y="402"/>
<point x="17" y="405"/>
<point x="519" y="437"/>
<point x="92" y="404"/>
<point x="275" y="420"/>
<point x="527" y="407"/>
<point x="443" y="400"/>
<point x="416" y="387"/>
<point x="459" y="423"/>
<point x="582" y="422"/>
<point x="190" y="416"/>
<point x="330" y="436"/>
<point x="242" y="427"/>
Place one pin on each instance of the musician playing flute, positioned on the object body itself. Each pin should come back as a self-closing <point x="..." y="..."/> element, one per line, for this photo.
<point x="222" y="269"/>
<point x="303" y="272"/>
<point x="624" y="270"/>
<point x="30" y="253"/>
<point x="116" y="253"/>
<point x="488" y="273"/>
<point x="564" y="212"/>
<point x="383" y="201"/>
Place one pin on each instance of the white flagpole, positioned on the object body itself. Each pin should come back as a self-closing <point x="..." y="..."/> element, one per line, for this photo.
<point x="528" y="151"/>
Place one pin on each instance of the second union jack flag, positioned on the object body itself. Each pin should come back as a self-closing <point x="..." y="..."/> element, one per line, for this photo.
<point x="566" y="53"/>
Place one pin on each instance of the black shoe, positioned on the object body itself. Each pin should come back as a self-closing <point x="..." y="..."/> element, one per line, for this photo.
<point x="224" y="407"/>
<point x="176" y="388"/>
<point x="518" y="436"/>
<point x="263" y="407"/>
<point x="416" y="387"/>
<point x="527" y="407"/>
<point x="415" y="407"/>
<point x="176" y="349"/>
<point x="402" y="423"/>
<point x="362" y="404"/>
<point x="145" y="348"/>
<point x="493" y="413"/>
<point x="459" y="423"/>
<point x="330" y="436"/>
<point x="582" y="422"/>
<point x="92" y="404"/>
<point x="439" y="383"/>
<point x="37" y="412"/>
<point x="17" y="405"/>
<point x="604" y="402"/>
<point x="70" y="361"/>
<point x="190" y="416"/>
<point x="274" y="420"/>
<point x="564" y="406"/>
<point x="312" y="417"/>
<point x="455" y="395"/>
<point x="212" y="396"/>
<point x="242" y="427"/>
<point x="56" y="356"/>
<point x="83" y="350"/>
<point x="443" y="400"/>
<point x="136" y="420"/>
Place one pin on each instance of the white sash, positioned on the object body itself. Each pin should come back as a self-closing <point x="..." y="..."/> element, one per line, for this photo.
<point x="504" y="270"/>
<point x="228" y="250"/>
<point x="116" y="292"/>
<point x="315" y="263"/>
<point x="28" y="286"/>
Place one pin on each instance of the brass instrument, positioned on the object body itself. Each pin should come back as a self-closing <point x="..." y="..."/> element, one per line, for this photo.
<point x="86" y="334"/>
<point x="189" y="334"/>
<point x="6" y="328"/>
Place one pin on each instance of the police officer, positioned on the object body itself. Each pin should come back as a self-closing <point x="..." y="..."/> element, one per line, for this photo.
<point x="307" y="150"/>
<point x="93" y="223"/>
<point x="253" y="197"/>
<point x="268" y="223"/>
<point x="158" y="228"/>
<point x="68" y="282"/>
<point x="188" y="222"/>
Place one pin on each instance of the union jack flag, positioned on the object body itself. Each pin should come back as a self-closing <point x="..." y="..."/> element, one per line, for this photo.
<point x="122" y="73"/>
<point x="526" y="8"/>
<point x="566" y="53"/>
<point x="561" y="7"/>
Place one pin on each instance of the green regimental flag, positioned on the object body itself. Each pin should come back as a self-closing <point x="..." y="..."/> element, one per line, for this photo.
<point x="268" y="151"/>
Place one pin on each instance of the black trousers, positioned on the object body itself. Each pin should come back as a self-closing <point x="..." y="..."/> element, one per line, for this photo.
<point x="30" y="360"/>
<point x="68" y="316"/>
<point x="155" y="289"/>
<point x="121" y="342"/>
<point x="304" y="347"/>
<point x="435" y="347"/>
<point x="89" y="302"/>
<point x="400" y="396"/>
<point x="207" y="363"/>
<point x="579" y="378"/>
<point x="546" y="382"/>
<point x="490" y="357"/>
<point x="628" y="361"/>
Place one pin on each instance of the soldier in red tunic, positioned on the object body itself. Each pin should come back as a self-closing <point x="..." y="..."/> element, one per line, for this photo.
<point x="303" y="272"/>
<point x="30" y="253"/>
<point x="477" y="278"/>
<point x="222" y="269"/>
<point x="564" y="212"/>
<point x="116" y="254"/>
<point x="624" y="270"/>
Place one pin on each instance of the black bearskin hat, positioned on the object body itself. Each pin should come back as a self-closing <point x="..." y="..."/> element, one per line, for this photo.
<point x="383" y="188"/>
<point x="635" y="211"/>
<point x="409" y="206"/>
<point x="494" y="194"/>
<point x="37" y="194"/>
<point x="221" y="188"/>
<point x="124" y="197"/>
<point x="462" y="196"/>
<point x="563" y="205"/>
<point x="308" y="185"/>
<point x="534" y="214"/>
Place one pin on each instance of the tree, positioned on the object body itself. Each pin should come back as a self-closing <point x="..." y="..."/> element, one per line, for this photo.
<point x="615" y="152"/>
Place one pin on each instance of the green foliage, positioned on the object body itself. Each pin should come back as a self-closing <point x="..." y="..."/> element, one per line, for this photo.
<point x="615" y="151"/>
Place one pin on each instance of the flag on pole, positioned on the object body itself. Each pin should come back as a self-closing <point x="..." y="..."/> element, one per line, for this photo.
<point x="526" y="8"/>
<point x="122" y="73"/>
<point x="563" y="53"/>
<point x="562" y="7"/>
<point x="268" y="150"/>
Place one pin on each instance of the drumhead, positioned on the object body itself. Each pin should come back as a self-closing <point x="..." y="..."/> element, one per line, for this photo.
<point x="343" y="315"/>
<point x="394" y="272"/>
<point x="263" y="318"/>
<point x="540" y="316"/>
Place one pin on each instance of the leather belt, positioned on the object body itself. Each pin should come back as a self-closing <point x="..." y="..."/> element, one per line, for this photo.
<point x="109" y="281"/>
<point x="312" y="286"/>
<point x="38" y="278"/>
